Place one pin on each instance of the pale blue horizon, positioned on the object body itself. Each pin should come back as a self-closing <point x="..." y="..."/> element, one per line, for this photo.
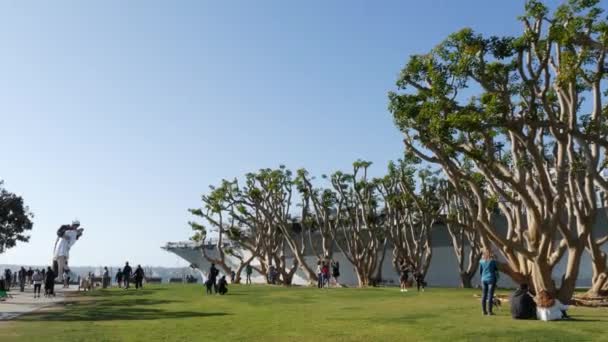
<point x="121" y="114"/>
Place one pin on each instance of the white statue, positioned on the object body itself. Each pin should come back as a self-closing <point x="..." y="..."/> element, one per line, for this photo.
<point x="67" y="235"/>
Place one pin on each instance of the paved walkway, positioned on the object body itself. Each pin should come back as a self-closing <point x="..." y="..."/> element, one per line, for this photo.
<point x="24" y="302"/>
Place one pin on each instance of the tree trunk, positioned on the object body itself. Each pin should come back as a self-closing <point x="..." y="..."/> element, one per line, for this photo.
<point x="466" y="280"/>
<point x="378" y="268"/>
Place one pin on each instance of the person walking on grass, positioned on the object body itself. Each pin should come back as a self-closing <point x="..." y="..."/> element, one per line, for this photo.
<point x="319" y="274"/>
<point x="325" y="273"/>
<point x="105" y="278"/>
<point x="118" y="278"/>
<point x="139" y="277"/>
<point x="419" y="278"/>
<point x="335" y="271"/>
<point x="248" y="272"/>
<point x="488" y="270"/>
<point x="213" y="273"/>
<point x="37" y="281"/>
<point x="405" y="274"/>
<point x="126" y="275"/>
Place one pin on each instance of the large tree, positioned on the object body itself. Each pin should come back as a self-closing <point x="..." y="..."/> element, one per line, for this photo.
<point x="535" y="129"/>
<point x="15" y="219"/>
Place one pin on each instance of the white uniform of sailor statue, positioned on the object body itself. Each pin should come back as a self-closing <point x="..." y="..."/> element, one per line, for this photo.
<point x="67" y="235"/>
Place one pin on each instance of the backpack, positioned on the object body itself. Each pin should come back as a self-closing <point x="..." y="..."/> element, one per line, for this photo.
<point x="62" y="230"/>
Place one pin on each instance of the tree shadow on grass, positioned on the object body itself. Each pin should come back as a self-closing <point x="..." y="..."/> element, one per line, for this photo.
<point x="113" y="314"/>
<point x="123" y="293"/>
<point x="128" y="309"/>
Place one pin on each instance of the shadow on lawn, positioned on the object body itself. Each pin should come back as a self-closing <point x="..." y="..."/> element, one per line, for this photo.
<point x="114" y="310"/>
<point x="115" y="314"/>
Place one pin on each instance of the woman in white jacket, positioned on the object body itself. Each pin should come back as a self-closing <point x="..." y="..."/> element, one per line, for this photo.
<point x="549" y="308"/>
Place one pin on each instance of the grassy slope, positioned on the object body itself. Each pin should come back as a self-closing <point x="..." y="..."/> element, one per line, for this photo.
<point x="176" y="313"/>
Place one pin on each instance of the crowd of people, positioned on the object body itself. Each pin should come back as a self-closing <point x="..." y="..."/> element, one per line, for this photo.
<point x="405" y="269"/>
<point x="524" y="305"/>
<point x="29" y="278"/>
<point x="47" y="278"/>
<point x="324" y="275"/>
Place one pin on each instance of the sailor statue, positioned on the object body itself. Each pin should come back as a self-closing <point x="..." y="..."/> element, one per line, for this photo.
<point x="67" y="235"/>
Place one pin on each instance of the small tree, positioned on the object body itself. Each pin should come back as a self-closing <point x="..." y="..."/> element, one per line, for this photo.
<point x="215" y="213"/>
<point x="359" y="234"/>
<point x="15" y="219"/>
<point x="409" y="214"/>
<point x="319" y="213"/>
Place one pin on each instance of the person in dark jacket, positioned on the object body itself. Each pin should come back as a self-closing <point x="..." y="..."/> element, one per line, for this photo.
<point x="139" y="277"/>
<point x="8" y="279"/>
<point x="126" y="275"/>
<point x="119" y="278"/>
<point x="522" y="304"/>
<point x="49" y="282"/>
<point x="222" y="286"/>
<point x="213" y="273"/>
<point x="22" y="278"/>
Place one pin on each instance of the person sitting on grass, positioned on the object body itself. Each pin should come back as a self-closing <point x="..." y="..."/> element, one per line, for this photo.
<point x="550" y="308"/>
<point x="222" y="286"/>
<point x="522" y="304"/>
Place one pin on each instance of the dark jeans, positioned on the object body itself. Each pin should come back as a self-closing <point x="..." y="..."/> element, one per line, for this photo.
<point x="126" y="281"/>
<point x="139" y="283"/>
<point x="320" y="280"/>
<point x="488" y="288"/>
<point x="37" y="289"/>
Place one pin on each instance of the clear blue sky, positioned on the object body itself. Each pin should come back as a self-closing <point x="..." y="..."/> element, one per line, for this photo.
<point x="121" y="113"/>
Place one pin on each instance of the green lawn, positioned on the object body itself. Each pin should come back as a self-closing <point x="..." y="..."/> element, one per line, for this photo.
<point x="265" y="313"/>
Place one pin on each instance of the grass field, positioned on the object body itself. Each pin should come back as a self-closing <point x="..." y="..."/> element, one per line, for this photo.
<point x="265" y="313"/>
